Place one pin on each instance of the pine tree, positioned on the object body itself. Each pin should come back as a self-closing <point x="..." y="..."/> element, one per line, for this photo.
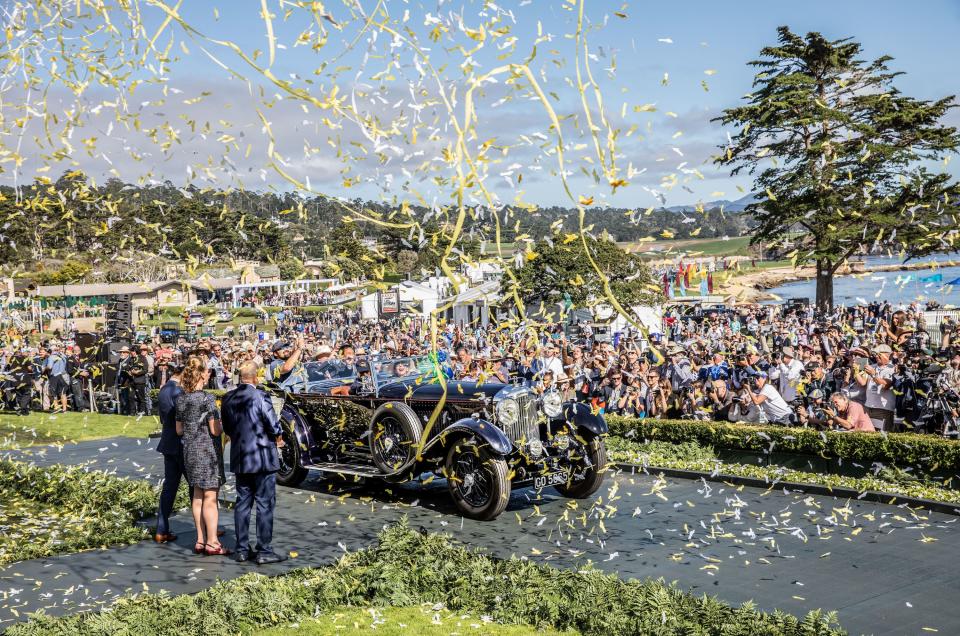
<point x="846" y="161"/>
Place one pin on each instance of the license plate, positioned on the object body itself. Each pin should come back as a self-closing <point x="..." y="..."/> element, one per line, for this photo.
<point x="550" y="479"/>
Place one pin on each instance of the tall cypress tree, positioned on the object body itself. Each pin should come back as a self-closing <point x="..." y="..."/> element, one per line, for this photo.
<point x="845" y="160"/>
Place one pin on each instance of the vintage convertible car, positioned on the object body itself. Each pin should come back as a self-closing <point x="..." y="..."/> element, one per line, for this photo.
<point x="376" y="419"/>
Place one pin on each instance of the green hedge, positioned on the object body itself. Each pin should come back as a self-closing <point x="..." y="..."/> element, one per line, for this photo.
<point x="407" y="568"/>
<point x="924" y="453"/>
<point x="690" y="456"/>
<point x="109" y="504"/>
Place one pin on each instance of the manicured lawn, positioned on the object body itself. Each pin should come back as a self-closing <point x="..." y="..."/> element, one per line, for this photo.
<point x="735" y="245"/>
<point x="399" y="621"/>
<point x="46" y="428"/>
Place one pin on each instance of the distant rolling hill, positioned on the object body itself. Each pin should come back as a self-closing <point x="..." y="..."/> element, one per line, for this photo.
<point x="728" y="206"/>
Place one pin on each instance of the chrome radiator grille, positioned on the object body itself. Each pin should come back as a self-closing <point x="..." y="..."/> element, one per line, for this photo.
<point x="526" y="427"/>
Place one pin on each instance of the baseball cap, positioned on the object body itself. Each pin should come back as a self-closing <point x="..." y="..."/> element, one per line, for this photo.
<point x="280" y="345"/>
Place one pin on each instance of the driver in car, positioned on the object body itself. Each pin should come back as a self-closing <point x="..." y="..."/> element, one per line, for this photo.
<point x="363" y="383"/>
<point x="401" y="369"/>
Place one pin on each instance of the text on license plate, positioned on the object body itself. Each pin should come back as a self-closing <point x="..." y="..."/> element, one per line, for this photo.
<point x="550" y="479"/>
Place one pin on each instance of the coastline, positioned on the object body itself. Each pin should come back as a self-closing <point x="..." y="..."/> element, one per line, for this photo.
<point x="753" y="286"/>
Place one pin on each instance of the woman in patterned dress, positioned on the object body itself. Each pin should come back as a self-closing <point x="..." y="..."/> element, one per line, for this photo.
<point x="198" y="422"/>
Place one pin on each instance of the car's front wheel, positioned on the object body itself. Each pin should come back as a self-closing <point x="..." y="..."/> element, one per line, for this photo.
<point x="291" y="472"/>
<point x="478" y="481"/>
<point x="590" y="464"/>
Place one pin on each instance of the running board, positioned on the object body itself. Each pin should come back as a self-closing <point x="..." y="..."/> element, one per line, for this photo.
<point x="345" y="469"/>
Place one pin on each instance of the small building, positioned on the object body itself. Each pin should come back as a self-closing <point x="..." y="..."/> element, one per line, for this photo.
<point x="472" y="307"/>
<point x="170" y="293"/>
<point x="415" y="298"/>
<point x="251" y="273"/>
<point x="482" y="272"/>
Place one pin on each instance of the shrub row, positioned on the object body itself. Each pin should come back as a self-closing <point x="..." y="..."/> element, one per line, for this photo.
<point x="924" y="453"/>
<point x="690" y="456"/>
<point x="110" y="504"/>
<point x="406" y="568"/>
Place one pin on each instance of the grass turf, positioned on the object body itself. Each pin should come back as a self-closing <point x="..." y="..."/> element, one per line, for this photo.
<point x="48" y="428"/>
<point x="423" y="620"/>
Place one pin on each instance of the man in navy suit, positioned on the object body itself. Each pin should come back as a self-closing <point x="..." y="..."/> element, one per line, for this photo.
<point x="172" y="453"/>
<point x="251" y="423"/>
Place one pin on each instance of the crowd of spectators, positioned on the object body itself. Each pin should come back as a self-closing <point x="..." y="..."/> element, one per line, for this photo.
<point x="285" y="299"/>
<point x="863" y="368"/>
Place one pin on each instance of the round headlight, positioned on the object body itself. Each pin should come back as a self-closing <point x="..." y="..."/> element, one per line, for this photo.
<point x="508" y="412"/>
<point x="536" y="448"/>
<point x="552" y="404"/>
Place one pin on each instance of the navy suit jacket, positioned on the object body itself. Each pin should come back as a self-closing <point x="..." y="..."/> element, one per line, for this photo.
<point x="167" y="405"/>
<point x="251" y="423"/>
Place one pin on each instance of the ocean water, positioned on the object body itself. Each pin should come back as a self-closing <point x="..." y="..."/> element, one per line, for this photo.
<point x="896" y="287"/>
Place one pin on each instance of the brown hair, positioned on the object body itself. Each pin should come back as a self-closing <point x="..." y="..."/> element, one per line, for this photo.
<point x="192" y="378"/>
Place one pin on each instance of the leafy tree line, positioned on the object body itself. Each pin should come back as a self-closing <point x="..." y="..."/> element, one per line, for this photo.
<point x="69" y="230"/>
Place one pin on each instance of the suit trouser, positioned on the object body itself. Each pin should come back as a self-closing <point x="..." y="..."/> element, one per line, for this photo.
<point x="262" y="488"/>
<point x="24" y="396"/>
<point x="138" y="399"/>
<point x="123" y="397"/>
<point x="172" y="474"/>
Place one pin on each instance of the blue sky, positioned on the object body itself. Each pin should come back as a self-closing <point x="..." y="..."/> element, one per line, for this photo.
<point x="717" y="36"/>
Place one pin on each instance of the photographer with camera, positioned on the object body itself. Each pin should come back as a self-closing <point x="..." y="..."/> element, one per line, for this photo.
<point x="811" y="410"/>
<point x="693" y="403"/>
<point x="949" y="378"/>
<point x="788" y="372"/>
<point x="719" y="399"/>
<point x="878" y="381"/>
<point x="848" y="415"/>
<point x="948" y="330"/>
<point x="762" y="403"/>
<point x="816" y="378"/>
<point x="896" y="332"/>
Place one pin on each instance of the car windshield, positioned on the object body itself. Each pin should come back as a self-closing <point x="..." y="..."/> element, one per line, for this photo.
<point x="329" y="370"/>
<point x="398" y="368"/>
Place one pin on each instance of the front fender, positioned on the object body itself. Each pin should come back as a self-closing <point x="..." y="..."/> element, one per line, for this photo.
<point x="300" y="428"/>
<point x="492" y="435"/>
<point x="583" y="417"/>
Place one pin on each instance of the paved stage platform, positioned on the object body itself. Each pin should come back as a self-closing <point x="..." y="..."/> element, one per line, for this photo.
<point x="885" y="569"/>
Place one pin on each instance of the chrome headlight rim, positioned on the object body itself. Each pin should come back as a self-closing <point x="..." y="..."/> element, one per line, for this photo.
<point x="552" y="404"/>
<point x="508" y="412"/>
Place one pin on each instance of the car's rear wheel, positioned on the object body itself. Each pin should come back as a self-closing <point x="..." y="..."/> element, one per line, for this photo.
<point x="591" y="464"/>
<point x="477" y="480"/>
<point x="291" y="472"/>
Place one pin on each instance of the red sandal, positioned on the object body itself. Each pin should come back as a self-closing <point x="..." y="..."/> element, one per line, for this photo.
<point x="199" y="548"/>
<point x="218" y="551"/>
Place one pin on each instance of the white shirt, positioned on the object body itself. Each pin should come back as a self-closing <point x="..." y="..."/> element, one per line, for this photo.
<point x="775" y="407"/>
<point x="879" y="397"/>
<point x="789" y="377"/>
<point x="551" y="364"/>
